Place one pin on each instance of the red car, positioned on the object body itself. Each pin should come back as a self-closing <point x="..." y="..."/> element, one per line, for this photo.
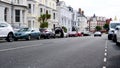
<point x="73" y="34"/>
<point x="79" y="34"/>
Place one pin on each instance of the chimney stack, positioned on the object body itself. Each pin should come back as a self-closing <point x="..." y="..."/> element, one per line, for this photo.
<point x="82" y="12"/>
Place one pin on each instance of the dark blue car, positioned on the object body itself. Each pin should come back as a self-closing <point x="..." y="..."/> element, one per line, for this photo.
<point x="27" y="33"/>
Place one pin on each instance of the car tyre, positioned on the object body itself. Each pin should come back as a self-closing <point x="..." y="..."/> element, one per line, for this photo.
<point x="10" y="37"/>
<point x="114" y="39"/>
<point x="29" y="37"/>
<point x="38" y="38"/>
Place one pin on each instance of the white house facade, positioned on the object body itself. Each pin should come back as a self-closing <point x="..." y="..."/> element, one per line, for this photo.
<point x="38" y="7"/>
<point x="14" y="12"/>
<point x="82" y="21"/>
<point x="65" y="15"/>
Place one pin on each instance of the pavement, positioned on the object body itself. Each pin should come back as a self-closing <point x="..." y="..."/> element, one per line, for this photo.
<point x="74" y="52"/>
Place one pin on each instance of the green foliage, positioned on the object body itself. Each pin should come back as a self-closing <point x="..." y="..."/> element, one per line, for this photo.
<point x="43" y="20"/>
<point x="106" y="26"/>
<point x="98" y="28"/>
<point x="48" y="16"/>
<point x="44" y="25"/>
<point x="64" y="28"/>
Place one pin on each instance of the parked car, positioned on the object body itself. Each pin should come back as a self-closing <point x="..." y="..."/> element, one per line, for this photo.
<point x="79" y="34"/>
<point x="47" y="33"/>
<point x="117" y="37"/>
<point x="27" y="33"/>
<point x="112" y="27"/>
<point x="114" y="35"/>
<point x="66" y="35"/>
<point x="86" y="33"/>
<point x="59" y="32"/>
<point x="97" y="33"/>
<point x="73" y="34"/>
<point x="6" y="31"/>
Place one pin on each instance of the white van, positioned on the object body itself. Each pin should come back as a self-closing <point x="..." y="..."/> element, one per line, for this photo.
<point x="112" y="27"/>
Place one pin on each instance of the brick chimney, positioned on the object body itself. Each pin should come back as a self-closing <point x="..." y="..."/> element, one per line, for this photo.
<point x="80" y="11"/>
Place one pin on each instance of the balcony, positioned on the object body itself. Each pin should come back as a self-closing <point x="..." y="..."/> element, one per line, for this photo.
<point x="20" y="2"/>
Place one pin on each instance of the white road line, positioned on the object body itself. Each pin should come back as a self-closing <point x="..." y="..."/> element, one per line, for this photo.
<point x="104" y="66"/>
<point x="105" y="50"/>
<point x="9" y="49"/>
<point x="105" y="54"/>
<point x="106" y="44"/>
<point x="105" y="59"/>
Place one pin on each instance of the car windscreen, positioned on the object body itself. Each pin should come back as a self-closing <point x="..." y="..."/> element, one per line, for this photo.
<point x="24" y="30"/>
<point x="113" y="25"/>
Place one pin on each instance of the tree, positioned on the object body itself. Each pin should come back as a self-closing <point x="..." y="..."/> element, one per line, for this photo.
<point x="43" y="25"/>
<point x="98" y="28"/>
<point x="106" y="26"/>
<point x="43" y="19"/>
<point x="64" y="28"/>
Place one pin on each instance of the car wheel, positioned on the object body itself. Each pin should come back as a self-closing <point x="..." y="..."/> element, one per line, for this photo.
<point x="10" y="37"/>
<point x="29" y="37"/>
<point x="114" y="39"/>
<point x="109" y="38"/>
<point x="117" y="43"/>
<point x="38" y="38"/>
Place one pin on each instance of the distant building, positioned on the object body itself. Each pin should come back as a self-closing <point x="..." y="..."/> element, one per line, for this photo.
<point x="82" y="21"/>
<point x="96" y="21"/>
<point x="14" y="12"/>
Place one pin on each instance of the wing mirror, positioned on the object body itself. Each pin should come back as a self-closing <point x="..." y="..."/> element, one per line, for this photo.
<point x="117" y="29"/>
<point x="32" y="30"/>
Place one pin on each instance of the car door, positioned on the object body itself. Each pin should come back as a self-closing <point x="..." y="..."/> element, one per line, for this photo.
<point x="118" y="34"/>
<point x="4" y="29"/>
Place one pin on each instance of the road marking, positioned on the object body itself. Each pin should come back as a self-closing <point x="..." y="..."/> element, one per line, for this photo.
<point x="104" y="66"/>
<point x="105" y="54"/>
<point x="105" y="50"/>
<point x="9" y="49"/>
<point x="105" y="59"/>
<point x="106" y="44"/>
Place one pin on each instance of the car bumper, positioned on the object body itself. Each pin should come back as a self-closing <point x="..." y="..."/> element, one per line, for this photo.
<point x="21" y="37"/>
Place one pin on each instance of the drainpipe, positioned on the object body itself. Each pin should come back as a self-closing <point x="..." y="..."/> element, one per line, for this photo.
<point x="12" y="13"/>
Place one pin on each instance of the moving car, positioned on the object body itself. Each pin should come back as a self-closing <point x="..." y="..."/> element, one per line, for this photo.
<point x="97" y="33"/>
<point x="47" y="33"/>
<point x="27" y="33"/>
<point x="6" y="31"/>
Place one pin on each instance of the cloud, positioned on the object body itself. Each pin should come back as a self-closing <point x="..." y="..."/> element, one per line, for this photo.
<point x="108" y="8"/>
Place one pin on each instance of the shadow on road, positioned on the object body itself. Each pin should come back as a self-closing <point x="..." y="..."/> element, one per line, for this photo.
<point x="117" y="47"/>
<point x="114" y="62"/>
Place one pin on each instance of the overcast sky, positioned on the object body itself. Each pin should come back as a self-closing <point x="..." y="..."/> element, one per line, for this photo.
<point x="107" y="8"/>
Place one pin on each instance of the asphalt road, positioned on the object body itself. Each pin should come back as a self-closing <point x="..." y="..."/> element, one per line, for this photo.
<point x="78" y="52"/>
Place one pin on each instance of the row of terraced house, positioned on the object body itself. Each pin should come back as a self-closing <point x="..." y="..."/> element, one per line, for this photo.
<point x="25" y="13"/>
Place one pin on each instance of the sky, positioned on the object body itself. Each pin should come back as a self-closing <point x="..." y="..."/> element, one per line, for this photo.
<point x="106" y="8"/>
